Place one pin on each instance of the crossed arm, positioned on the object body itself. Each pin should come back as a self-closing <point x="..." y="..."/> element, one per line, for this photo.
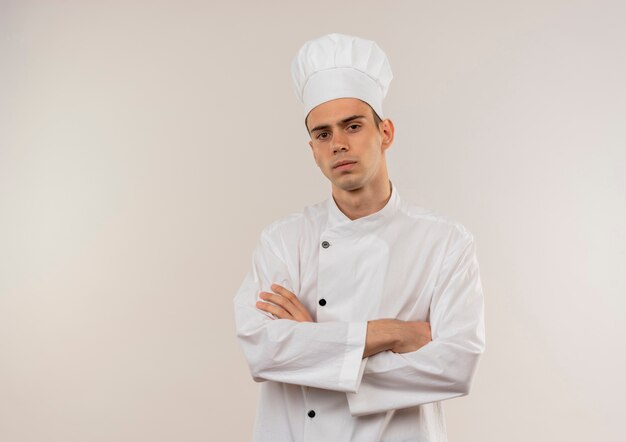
<point x="382" y="334"/>
<point x="373" y="362"/>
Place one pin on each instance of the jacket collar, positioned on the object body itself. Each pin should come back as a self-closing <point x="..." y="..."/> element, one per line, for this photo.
<point x="336" y="218"/>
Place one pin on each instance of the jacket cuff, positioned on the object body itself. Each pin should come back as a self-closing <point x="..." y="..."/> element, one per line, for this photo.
<point x="353" y="363"/>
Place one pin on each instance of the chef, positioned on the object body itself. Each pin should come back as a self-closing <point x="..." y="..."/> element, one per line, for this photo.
<point x="361" y="313"/>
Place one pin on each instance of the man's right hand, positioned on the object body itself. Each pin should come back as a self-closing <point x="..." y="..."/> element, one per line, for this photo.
<point x="396" y="335"/>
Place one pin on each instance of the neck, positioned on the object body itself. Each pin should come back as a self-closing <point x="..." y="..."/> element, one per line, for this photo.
<point x="364" y="201"/>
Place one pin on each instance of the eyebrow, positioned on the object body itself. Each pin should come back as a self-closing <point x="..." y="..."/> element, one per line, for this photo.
<point x="343" y="122"/>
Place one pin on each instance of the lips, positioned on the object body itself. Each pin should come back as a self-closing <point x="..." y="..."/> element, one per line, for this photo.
<point x="342" y="163"/>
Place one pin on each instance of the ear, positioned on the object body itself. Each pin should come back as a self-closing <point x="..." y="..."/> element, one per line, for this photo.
<point x="387" y="131"/>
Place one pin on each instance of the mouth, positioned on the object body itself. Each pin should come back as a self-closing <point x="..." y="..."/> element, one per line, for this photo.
<point x="344" y="165"/>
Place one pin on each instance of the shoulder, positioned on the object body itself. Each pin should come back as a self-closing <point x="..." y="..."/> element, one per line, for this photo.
<point x="445" y="225"/>
<point x="292" y="225"/>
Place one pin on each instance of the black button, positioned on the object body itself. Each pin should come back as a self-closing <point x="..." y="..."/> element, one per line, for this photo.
<point x="325" y="244"/>
<point x="311" y="413"/>
<point x="322" y="302"/>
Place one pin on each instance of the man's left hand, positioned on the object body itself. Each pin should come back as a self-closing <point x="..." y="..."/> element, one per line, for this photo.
<point x="284" y="305"/>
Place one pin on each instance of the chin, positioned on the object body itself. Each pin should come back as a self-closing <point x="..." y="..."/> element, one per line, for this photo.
<point x="348" y="185"/>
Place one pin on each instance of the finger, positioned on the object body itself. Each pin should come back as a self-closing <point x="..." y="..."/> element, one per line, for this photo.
<point x="279" y="312"/>
<point x="293" y="304"/>
<point x="292" y="298"/>
<point x="283" y="291"/>
<point x="279" y="300"/>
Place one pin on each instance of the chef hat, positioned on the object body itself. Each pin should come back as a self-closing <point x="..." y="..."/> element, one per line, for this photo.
<point x="341" y="66"/>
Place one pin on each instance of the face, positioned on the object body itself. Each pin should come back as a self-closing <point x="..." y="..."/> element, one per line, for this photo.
<point x="347" y="144"/>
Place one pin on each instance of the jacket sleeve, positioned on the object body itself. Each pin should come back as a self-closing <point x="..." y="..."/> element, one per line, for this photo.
<point x="443" y="368"/>
<point x="322" y="355"/>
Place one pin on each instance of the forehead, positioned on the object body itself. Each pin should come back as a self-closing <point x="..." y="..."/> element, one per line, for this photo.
<point x="333" y="111"/>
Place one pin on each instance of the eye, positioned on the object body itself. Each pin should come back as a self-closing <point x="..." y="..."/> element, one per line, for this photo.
<point x="322" y="135"/>
<point x="354" y="126"/>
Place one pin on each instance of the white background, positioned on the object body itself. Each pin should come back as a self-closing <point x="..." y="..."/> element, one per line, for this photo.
<point x="144" y="145"/>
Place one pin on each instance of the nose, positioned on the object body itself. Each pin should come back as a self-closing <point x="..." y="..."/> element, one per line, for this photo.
<point x="339" y="143"/>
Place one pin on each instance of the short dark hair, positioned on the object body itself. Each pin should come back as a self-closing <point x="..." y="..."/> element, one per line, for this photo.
<point x="377" y="119"/>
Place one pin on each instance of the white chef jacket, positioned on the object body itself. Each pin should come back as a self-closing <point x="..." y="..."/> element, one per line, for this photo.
<point x="402" y="262"/>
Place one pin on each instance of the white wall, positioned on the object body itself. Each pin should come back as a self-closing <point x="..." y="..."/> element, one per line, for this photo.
<point x="144" y="145"/>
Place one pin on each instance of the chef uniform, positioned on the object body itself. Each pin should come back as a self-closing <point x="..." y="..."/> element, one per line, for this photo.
<point x="401" y="262"/>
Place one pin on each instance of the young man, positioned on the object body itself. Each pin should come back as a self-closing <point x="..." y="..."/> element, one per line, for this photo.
<point x="361" y="313"/>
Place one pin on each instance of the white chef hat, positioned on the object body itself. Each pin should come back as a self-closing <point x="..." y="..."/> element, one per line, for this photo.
<point x="341" y="66"/>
